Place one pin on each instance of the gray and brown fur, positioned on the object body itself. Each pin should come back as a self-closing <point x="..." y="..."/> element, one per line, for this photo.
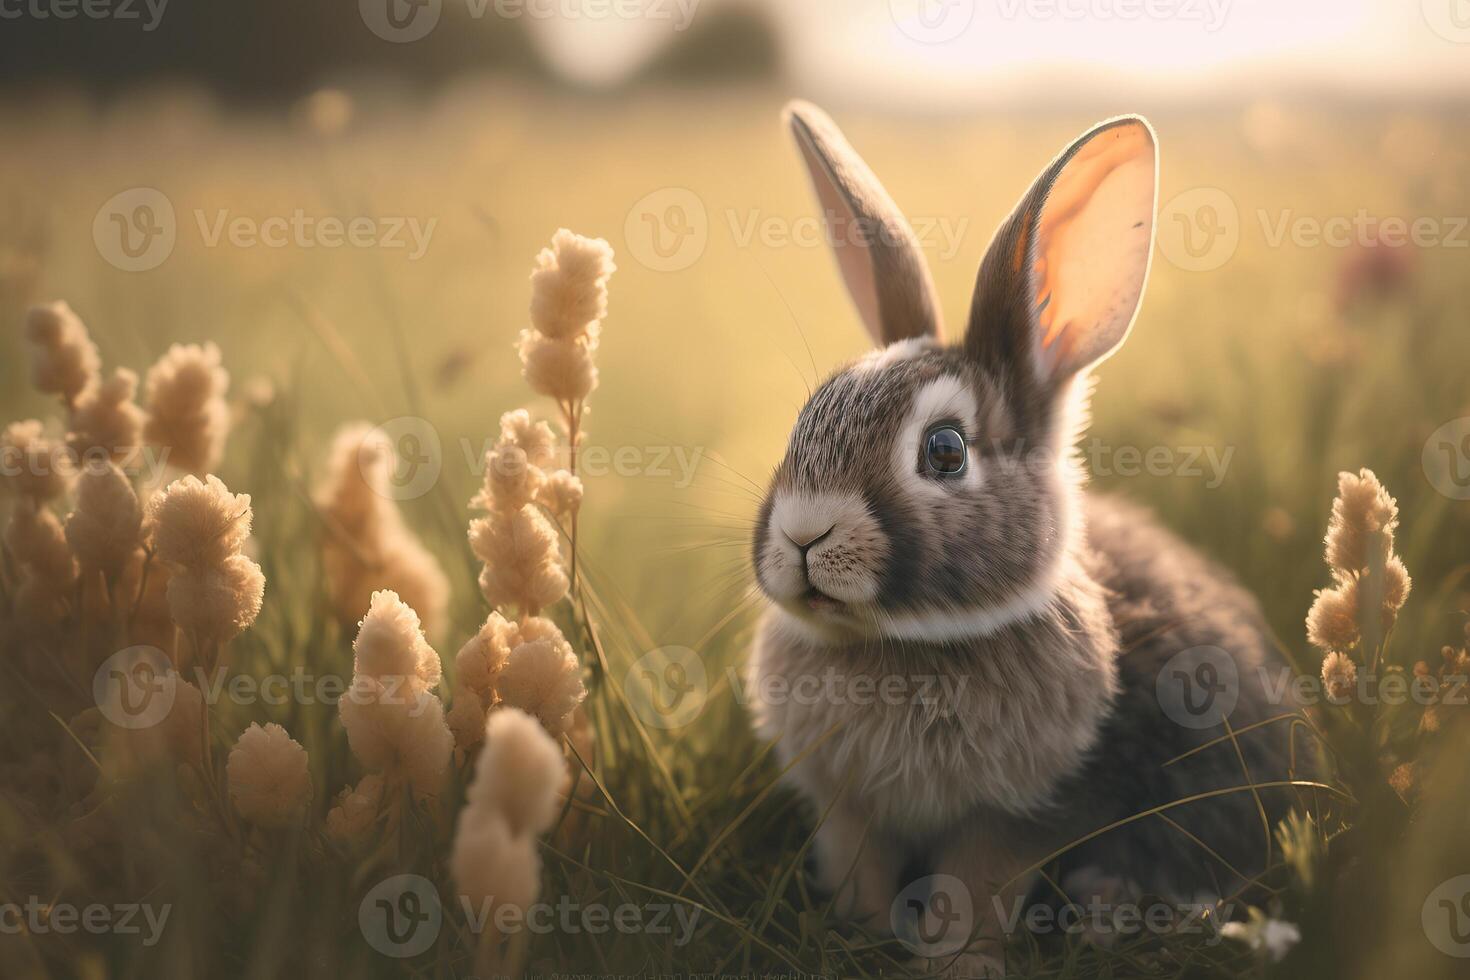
<point x="1052" y="611"/>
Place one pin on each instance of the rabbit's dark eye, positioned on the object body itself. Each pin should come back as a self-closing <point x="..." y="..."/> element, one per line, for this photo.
<point x="944" y="451"/>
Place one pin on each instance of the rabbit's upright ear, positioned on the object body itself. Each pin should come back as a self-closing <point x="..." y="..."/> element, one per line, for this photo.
<point x="1061" y="283"/>
<point x="876" y="249"/>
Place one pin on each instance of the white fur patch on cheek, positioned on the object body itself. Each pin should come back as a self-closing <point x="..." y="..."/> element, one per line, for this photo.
<point x="780" y="570"/>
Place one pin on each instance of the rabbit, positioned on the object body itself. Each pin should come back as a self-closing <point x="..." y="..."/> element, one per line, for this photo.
<point x="1049" y="654"/>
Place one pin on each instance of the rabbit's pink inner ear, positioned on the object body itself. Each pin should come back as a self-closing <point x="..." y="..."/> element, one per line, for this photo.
<point x="853" y="260"/>
<point x="1091" y="247"/>
<point x="877" y="252"/>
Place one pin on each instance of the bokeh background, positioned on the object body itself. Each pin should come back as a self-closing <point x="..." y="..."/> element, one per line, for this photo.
<point x="1291" y="328"/>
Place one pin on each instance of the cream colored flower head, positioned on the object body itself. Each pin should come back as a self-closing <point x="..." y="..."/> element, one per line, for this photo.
<point x="534" y="439"/>
<point x="106" y="419"/>
<point x="522" y="557"/>
<point x="356" y="810"/>
<point x="368" y="546"/>
<point x="218" y="602"/>
<point x="187" y="412"/>
<point x="106" y="528"/>
<point x="35" y="538"/>
<point x="466" y="719"/>
<point x="1339" y="675"/>
<point x="569" y="286"/>
<point x="514" y="467"/>
<point x="1364" y="517"/>
<point x="559" y="369"/>
<point x="479" y="662"/>
<point x="394" y="723"/>
<point x="1332" y="622"/>
<point x="543" y="678"/>
<point x="390" y="644"/>
<point x="359" y="469"/>
<point x="521" y="772"/>
<point x="512" y="799"/>
<point x="31" y="465"/>
<point x="490" y="864"/>
<point x="399" y="731"/>
<point x="64" y="361"/>
<point x="197" y="524"/>
<point x="561" y="494"/>
<point x="270" y="783"/>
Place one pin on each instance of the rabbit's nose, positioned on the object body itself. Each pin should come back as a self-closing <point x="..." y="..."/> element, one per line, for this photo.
<point x="805" y="540"/>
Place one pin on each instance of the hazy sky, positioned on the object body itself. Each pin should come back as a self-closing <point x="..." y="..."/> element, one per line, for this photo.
<point x="938" y="53"/>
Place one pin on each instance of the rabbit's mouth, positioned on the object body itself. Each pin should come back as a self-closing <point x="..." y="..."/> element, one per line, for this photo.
<point x="820" y="602"/>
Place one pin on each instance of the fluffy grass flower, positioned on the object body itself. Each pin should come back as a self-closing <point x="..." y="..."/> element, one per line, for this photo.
<point x="34" y="537"/>
<point x="395" y="724"/>
<point x="1371" y="583"/>
<point x="218" y="603"/>
<point x="390" y="644"/>
<point x="569" y="286"/>
<point x="515" y="467"/>
<point x="1339" y="675"/>
<point x="187" y="413"/>
<point x="356" y="810"/>
<point x="269" y="781"/>
<point x="543" y="678"/>
<point x="561" y="494"/>
<point x="479" y="665"/>
<point x="106" y="419"/>
<point x="197" y="524"/>
<point x="479" y="662"/>
<point x="399" y="732"/>
<point x="64" y="360"/>
<point x="521" y="773"/>
<point x="32" y="465"/>
<point x="1332" y="622"/>
<point x="512" y="799"/>
<point x="368" y="546"/>
<point x="521" y="552"/>
<point x="1364" y="517"/>
<point x="105" y="529"/>
<point x="559" y="369"/>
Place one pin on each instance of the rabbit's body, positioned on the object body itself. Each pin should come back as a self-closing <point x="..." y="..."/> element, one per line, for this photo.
<point x="1041" y="732"/>
<point x="971" y="666"/>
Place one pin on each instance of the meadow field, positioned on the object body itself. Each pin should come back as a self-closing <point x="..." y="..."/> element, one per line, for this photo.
<point x="1280" y="342"/>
